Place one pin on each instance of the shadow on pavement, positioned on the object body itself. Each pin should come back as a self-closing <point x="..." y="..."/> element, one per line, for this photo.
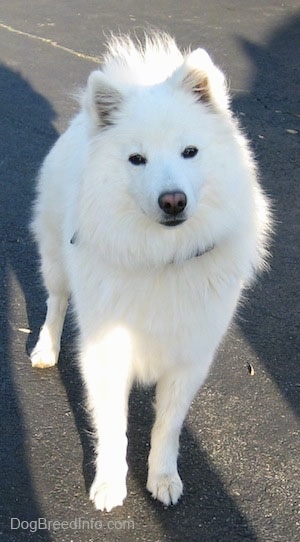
<point x="271" y="319"/>
<point x="26" y="133"/>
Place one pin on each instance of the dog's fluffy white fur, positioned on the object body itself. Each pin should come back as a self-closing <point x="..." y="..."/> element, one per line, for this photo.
<point x="154" y="287"/>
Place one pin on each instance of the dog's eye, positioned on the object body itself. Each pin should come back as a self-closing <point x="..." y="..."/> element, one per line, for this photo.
<point x="189" y="152"/>
<point x="137" y="159"/>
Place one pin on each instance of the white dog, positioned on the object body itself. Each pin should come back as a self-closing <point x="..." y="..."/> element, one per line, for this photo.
<point x="149" y="214"/>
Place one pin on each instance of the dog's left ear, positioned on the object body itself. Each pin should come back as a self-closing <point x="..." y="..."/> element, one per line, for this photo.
<point x="199" y="75"/>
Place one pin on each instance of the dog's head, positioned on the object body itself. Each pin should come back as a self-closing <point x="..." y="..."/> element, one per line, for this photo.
<point x="166" y="161"/>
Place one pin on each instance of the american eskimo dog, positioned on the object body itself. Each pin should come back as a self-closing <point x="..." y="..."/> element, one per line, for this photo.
<point x="150" y="216"/>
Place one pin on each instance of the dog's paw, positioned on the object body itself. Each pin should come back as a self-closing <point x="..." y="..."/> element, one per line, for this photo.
<point x="167" y="488"/>
<point x="43" y="358"/>
<point x="107" y="494"/>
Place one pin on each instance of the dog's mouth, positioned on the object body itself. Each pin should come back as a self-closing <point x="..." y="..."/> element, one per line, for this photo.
<point x="173" y="222"/>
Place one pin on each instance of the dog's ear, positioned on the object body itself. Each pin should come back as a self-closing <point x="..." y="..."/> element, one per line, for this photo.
<point x="199" y="75"/>
<point x="102" y="99"/>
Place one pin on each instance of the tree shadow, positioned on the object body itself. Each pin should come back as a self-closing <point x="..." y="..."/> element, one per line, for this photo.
<point x="26" y="133"/>
<point x="270" y="320"/>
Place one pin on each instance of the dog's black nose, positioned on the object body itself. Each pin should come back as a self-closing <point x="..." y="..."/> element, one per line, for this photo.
<point x="172" y="203"/>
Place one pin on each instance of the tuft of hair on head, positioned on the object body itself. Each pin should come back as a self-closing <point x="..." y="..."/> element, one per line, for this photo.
<point x="144" y="62"/>
<point x="128" y="64"/>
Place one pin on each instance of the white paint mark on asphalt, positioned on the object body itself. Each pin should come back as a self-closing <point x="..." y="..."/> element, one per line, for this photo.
<point x="50" y="42"/>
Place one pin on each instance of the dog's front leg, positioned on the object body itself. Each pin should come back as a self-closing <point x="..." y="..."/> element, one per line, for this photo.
<point x="46" y="351"/>
<point x="106" y="372"/>
<point x="174" y="394"/>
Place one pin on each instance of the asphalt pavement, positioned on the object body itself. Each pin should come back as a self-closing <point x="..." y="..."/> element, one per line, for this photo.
<point x="240" y="445"/>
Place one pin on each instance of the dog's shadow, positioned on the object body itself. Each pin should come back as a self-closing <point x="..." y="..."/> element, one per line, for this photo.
<point x="72" y="381"/>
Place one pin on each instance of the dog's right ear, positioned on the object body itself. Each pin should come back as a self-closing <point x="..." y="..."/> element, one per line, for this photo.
<point x="101" y="99"/>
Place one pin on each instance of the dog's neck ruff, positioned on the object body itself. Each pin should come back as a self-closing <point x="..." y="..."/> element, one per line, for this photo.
<point x="197" y="254"/>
